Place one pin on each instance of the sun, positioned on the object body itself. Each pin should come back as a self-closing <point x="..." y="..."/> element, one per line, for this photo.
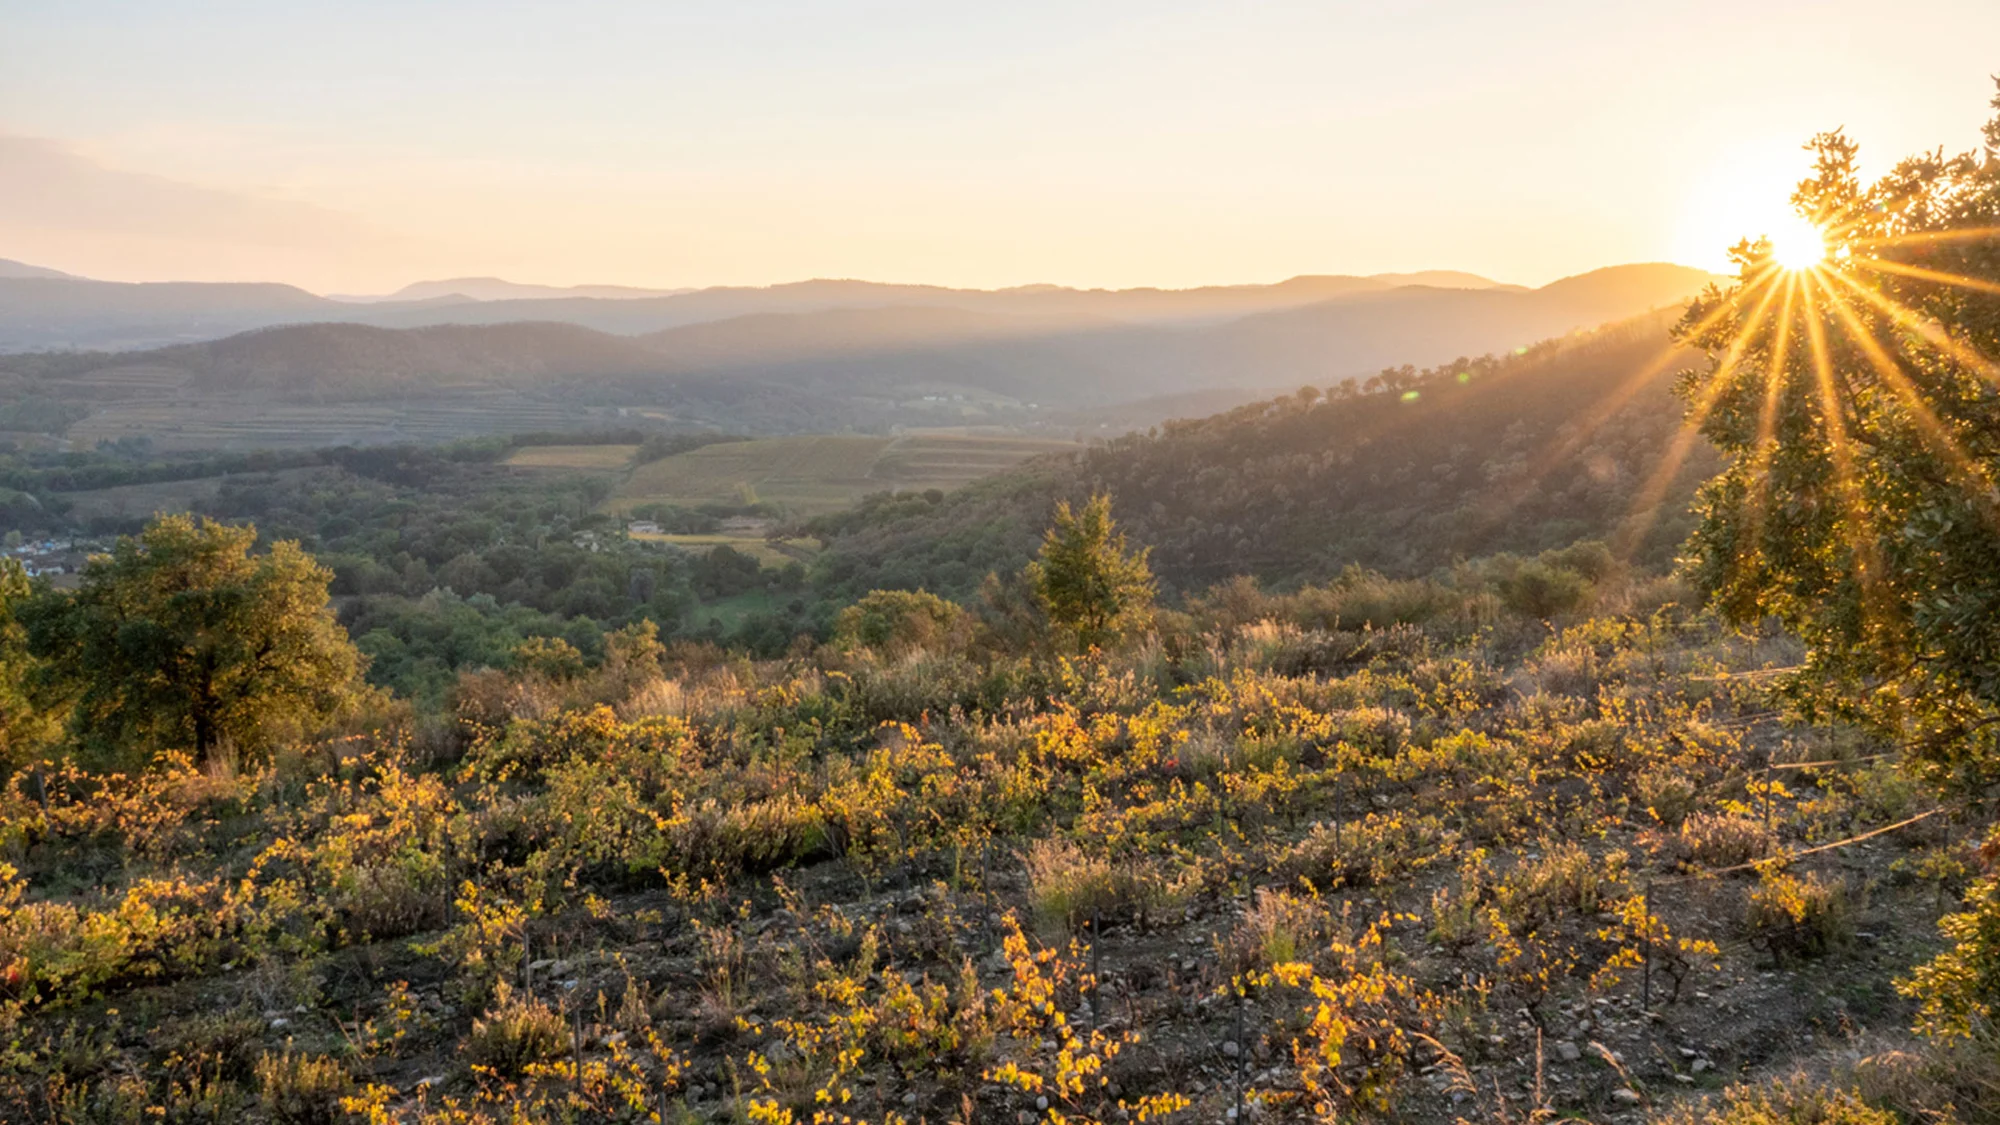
<point x="1797" y="244"/>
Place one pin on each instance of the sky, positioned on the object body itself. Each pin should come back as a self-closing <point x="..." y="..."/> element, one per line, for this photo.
<point x="354" y="147"/>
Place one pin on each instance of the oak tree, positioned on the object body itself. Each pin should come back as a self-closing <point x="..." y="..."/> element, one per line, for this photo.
<point x="183" y="639"/>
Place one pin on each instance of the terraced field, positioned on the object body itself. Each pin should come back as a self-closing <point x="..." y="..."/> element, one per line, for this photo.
<point x="586" y="457"/>
<point x="809" y="476"/>
<point x="207" y="423"/>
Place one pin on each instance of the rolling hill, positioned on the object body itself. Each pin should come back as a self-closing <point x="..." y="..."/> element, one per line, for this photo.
<point x="44" y="309"/>
<point x="13" y="269"/>
<point x="498" y="289"/>
<point x="1518" y="453"/>
<point x="1041" y="364"/>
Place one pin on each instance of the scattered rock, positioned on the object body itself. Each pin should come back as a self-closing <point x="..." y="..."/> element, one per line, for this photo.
<point x="1702" y="1066"/>
<point x="1230" y="1049"/>
<point x="1625" y="1095"/>
<point x="1568" y="1051"/>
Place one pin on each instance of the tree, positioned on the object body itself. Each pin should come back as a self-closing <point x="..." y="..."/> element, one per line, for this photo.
<point x="1087" y="582"/>
<point x="25" y="726"/>
<point x="1857" y="403"/>
<point x="181" y="639"/>
<point x="895" y="623"/>
<point x="1854" y="401"/>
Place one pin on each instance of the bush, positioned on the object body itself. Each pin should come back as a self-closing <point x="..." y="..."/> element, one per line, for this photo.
<point x="1541" y="591"/>
<point x="302" y="1089"/>
<point x="1725" y="839"/>
<point x="1278" y="928"/>
<point x="1794" y="1101"/>
<point x="1566" y="881"/>
<point x="1666" y="792"/>
<point x="516" y="1035"/>
<point x="1068" y="886"/>
<point x="1960" y="988"/>
<point x="1376" y="849"/>
<point x="1798" y="918"/>
<point x="894" y="623"/>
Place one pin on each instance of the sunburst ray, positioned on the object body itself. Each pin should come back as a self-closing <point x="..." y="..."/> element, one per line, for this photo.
<point x="1977" y="285"/>
<point x="1608" y="406"/>
<point x="1645" y="504"/>
<point x="1861" y="542"/>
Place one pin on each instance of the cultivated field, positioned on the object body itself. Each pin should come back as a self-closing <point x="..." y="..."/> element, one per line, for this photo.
<point x="209" y="423"/>
<point x="813" y="475"/>
<point x="765" y="551"/>
<point x="587" y="457"/>
<point x="141" y="501"/>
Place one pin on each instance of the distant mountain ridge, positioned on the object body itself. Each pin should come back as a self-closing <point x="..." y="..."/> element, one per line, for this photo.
<point x="498" y="289"/>
<point x="38" y="311"/>
<point x="13" y="269"/>
<point x="1014" y="359"/>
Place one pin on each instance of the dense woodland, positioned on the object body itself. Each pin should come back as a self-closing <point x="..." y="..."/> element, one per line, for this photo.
<point x="1353" y="756"/>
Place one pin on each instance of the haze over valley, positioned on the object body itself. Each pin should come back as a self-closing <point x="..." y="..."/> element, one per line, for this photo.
<point x="791" y="358"/>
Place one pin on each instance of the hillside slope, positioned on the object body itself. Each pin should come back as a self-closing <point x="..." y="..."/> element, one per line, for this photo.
<point x="1521" y="453"/>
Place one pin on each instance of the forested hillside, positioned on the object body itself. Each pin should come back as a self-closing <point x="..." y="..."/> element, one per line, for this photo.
<point x="1565" y="441"/>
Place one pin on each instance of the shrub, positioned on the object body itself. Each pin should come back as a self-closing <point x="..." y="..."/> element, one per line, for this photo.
<point x="1955" y="1082"/>
<point x="1376" y="849"/>
<point x="1278" y="928"/>
<point x="1793" y="1101"/>
<point x="1799" y="918"/>
<point x="1567" y="880"/>
<point x="1725" y="839"/>
<point x="1959" y="989"/>
<point x="515" y="1035"/>
<point x="1068" y="886"/>
<point x="1666" y="792"/>
<point x="895" y="623"/>
<point x="1542" y="591"/>
<point x="302" y="1089"/>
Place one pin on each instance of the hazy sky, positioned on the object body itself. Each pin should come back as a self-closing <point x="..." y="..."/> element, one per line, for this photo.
<point x="359" y="145"/>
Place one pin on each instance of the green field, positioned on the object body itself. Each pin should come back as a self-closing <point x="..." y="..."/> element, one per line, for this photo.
<point x="756" y="546"/>
<point x="808" y="476"/>
<point x="573" y="456"/>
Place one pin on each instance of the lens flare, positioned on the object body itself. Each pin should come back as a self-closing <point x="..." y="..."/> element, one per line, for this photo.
<point x="1797" y="244"/>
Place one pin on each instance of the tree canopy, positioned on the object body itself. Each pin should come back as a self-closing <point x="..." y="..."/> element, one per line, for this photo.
<point x="23" y="725"/>
<point x="182" y="639"/>
<point x="1089" y="584"/>
<point x="1855" y="402"/>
